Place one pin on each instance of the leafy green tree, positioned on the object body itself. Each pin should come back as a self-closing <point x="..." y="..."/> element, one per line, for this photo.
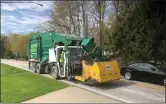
<point x="137" y="33"/>
<point x="5" y="46"/>
<point x="15" y="45"/>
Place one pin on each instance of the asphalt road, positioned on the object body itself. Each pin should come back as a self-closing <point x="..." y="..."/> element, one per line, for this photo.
<point x="122" y="90"/>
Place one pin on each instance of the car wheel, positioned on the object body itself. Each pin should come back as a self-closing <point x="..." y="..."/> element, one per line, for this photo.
<point x="54" y="72"/>
<point x="128" y="75"/>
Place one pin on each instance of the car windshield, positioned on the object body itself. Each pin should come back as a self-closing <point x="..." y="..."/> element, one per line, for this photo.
<point x="133" y="65"/>
<point x="148" y="66"/>
<point x="142" y="65"/>
<point x="160" y="66"/>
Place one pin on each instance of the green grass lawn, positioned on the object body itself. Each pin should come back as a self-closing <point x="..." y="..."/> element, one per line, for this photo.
<point x="18" y="85"/>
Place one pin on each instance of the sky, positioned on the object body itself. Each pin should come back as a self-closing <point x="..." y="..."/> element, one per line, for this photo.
<point x="24" y="17"/>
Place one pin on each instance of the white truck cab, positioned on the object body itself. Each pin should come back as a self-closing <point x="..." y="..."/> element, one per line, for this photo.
<point x="53" y="57"/>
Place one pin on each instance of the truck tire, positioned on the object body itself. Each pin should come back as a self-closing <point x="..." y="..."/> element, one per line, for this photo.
<point x="34" y="68"/>
<point x="38" y="68"/>
<point x="69" y="74"/>
<point x="31" y="65"/>
<point x="48" y="69"/>
<point x="54" y="72"/>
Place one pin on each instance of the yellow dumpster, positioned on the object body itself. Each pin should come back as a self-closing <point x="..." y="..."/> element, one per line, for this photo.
<point x="100" y="71"/>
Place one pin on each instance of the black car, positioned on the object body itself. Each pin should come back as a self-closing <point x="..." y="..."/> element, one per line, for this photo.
<point x="152" y="72"/>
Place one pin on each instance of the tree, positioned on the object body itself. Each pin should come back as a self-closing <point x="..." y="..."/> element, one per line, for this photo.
<point x="138" y="30"/>
<point x="76" y="17"/>
<point x="5" y="46"/>
<point x="15" y="45"/>
<point x="65" y="17"/>
<point x="98" y="12"/>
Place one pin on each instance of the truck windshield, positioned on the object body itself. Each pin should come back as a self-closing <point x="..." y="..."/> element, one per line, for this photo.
<point x="75" y="51"/>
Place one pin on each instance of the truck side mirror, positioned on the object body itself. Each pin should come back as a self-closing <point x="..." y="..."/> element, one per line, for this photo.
<point x="67" y="52"/>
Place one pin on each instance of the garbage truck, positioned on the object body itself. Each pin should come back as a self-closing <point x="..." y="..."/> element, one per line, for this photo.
<point x="70" y="56"/>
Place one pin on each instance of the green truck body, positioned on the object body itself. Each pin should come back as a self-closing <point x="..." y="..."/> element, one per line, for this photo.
<point x="39" y="45"/>
<point x="45" y="49"/>
<point x="94" y="51"/>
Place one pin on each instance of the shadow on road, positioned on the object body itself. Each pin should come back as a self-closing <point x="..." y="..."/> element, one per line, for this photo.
<point x="156" y="82"/>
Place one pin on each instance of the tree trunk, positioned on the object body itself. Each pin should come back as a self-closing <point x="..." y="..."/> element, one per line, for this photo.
<point x="71" y="17"/>
<point x="85" y="20"/>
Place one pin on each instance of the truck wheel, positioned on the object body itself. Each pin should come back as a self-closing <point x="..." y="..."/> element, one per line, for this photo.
<point x="38" y="68"/>
<point x="31" y="65"/>
<point x="69" y="75"/>
<point x="128" y="76"/>
<point x="54" y="72"/>
<point x="47" y="69"/>
<point x="34" y="67"/>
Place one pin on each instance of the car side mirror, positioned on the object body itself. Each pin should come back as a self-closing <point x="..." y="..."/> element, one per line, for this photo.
<point x="153" y="69"/>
